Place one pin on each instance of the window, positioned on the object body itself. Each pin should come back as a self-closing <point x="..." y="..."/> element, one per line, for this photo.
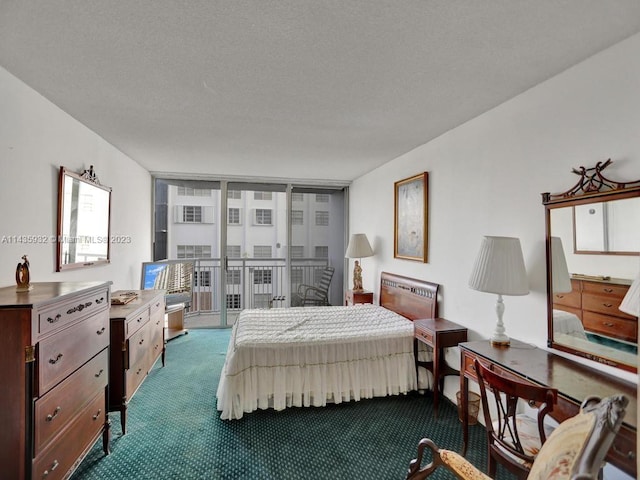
<point x="297" y="197"/>
<point x="202" y="279"/>
<point x="234" y="216"/>
<point x="233" y="277"/>
<point x="262" y="277"/>
<point x="193" y="192"/>
<point x="262" y="195"/>
<point x="233" y="251"/>
<point x="263" y="216"/>
<point x="194" y="251"/>
<point x="234" y="194"/>
<point x="262" y="251"/>
<point x="322" y="218"/>
<point x="297" y="217"/>
<point x="322" y="198"/>
<point x="297" y="251"/>
<point x="322" y="252"/>
<point x="234" y="301"/>
<point x="191" y="214"/>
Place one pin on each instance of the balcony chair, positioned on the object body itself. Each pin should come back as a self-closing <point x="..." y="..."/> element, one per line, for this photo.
<point x="314" y="294"/>
<point x="575" y="450"/>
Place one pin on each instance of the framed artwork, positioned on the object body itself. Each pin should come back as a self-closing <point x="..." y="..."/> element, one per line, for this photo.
<point x="410" y="218"/>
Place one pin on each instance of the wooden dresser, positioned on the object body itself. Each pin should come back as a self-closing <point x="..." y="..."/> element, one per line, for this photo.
<point x="54" y="354"/>
<point x="137" y="341"/>
<point x="595" y="303"/>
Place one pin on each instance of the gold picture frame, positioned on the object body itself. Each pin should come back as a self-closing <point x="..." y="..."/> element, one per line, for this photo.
<point x="410" y="213"/>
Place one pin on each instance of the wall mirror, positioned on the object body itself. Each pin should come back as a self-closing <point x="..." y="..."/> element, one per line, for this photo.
<point x="593" y="240"/>
<point x="84" y="208"/>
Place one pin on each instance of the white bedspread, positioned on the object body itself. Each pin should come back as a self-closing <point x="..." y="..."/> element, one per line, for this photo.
<point x="568" y="323"/>
<point x="309" y="356"/>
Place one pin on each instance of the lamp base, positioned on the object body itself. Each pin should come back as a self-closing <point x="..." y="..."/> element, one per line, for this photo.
<point x="500" y="343"/>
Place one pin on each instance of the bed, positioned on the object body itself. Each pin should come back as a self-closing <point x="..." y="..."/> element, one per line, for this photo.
<point x="568" y="323"/>
<point x="310" y="356"/>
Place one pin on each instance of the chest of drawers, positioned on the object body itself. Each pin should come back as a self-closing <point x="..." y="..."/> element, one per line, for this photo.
<point x="54" y="354"/>
<point x="596" y="303"/>
<point x="137" y="341"/>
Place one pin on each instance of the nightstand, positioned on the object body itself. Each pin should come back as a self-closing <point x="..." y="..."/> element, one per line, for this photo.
<point x="438" y="334"/>
<point x="351" y="297"/>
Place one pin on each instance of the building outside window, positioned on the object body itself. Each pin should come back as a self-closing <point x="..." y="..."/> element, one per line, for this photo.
<point x="234" y="301"/>
<point x="194" y="251"/>
<point x="297" y="197"/>
<point x="233" y="251"/>
<point x="322" y="198"/>
<point x="202" y="279"/>
<point x="191" y="214"/>
<point x="322" y="218"/>
<point x="234" y="194"/>
<point x="262" y="195"/>
<point x="234" y="216"/>
<point x="322" y="252"/>
<point x="193" y="192"/>
<point x="263" y="216"/>
<point x="262" y="251"/>
<point x="297" y="217"/>
<point x="297" y="251"/>
<point x="262" y="277"/>
<point x="233" y="277"/>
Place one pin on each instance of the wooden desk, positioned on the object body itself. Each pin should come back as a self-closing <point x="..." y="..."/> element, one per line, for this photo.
<point x="437" y="333"/>
<point x="574" y="382"/>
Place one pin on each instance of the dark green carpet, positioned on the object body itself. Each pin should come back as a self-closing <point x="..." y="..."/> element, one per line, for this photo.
<point x="174" y="430"/>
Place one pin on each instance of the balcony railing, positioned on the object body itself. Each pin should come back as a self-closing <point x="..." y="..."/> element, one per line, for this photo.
<point x="250" y="282"/>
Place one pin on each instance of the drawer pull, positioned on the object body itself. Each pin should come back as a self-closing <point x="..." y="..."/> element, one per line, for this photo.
<point x="141" y="341"/>
<point x="54" y="465"/>
<point x="79" y="308"/>
<point x="53" y="361"/>
<point x="608" y="305"/>
<point x="54" y="319"/>
<point x="53" y="415"/>
<point x="138" y="372"/>
<point x="99" y="300"/>
<point x="608" y="290"/>
<point x="630" y="454"/>
<point x="101" y="331"/>
<point x="97" y="415"/>
<point x="140" y="319"/>
<point x="99" y="373"/>
<point x="608" y="324"/>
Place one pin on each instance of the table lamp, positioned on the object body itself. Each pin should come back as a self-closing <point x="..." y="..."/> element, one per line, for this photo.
<point x="359" y="248"/>
<point x="560" y="279"/>
<point x="499" y="269"/>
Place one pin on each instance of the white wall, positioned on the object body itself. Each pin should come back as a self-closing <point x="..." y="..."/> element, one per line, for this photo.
<point x="486" y="176"/>
<point x="36" y="138"/>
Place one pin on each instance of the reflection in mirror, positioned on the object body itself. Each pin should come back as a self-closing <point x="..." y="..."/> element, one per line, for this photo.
<point x="608" y="227"/>
<point x="83" y="220"/>
<point x="591" y="230"/>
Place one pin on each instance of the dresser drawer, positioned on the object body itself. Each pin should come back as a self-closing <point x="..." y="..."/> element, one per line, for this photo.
<point x="603" y="304"/>
<point x="54" y="318"/>
<point x="135" y="375"/>
<point x="571" y="299"/>
<point x="157" y="306"/>
<point x="139" y="343"/>
<point x="424" y="335"/>
<point x="611" y="326"/>
<point x="56" y="461"/>
<point x="59" y="406"/>
<point x="605" y="289"/>
<point x="136" y="322"/>
<point x="60" y="354"/>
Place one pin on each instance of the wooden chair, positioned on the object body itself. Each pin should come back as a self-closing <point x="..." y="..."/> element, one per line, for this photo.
<point x="513" y="438"/>
<point x="575" y="450"/>
<point x="314" y="294"/>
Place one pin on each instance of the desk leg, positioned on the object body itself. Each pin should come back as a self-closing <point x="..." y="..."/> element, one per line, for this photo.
<point x="437" y="356"/>
<point x="464" y="394"/>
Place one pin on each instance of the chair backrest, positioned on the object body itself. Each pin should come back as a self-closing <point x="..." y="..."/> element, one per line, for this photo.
<point x="325" y="279"/>
<point x="577" y="448"/>
<point x="513" y="439"/>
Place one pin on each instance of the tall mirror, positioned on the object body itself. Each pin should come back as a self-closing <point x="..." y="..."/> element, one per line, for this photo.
<point x="593" y="245"/>
<point x="83" y="220"/>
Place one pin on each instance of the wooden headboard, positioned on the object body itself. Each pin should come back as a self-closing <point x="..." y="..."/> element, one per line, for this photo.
<point x="410" y="297"/>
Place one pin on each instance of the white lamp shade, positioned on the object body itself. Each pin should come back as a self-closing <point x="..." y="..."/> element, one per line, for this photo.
<point x="631" y="301"/>
<point x="560" y="279"/>
<point x="359" y="246"/>
<point x="499" y="267"/>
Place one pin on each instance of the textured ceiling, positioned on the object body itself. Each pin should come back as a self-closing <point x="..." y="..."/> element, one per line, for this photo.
<point x="319" y="89"/>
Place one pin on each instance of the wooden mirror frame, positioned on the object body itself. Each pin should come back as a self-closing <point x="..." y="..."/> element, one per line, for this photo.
<point x="88" y="178"/>
<point x="592" y="187"/>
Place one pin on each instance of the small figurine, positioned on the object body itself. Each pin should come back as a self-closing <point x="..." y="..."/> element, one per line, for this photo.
<point x="357" y="276"/>
<point x="22" y="276"/>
